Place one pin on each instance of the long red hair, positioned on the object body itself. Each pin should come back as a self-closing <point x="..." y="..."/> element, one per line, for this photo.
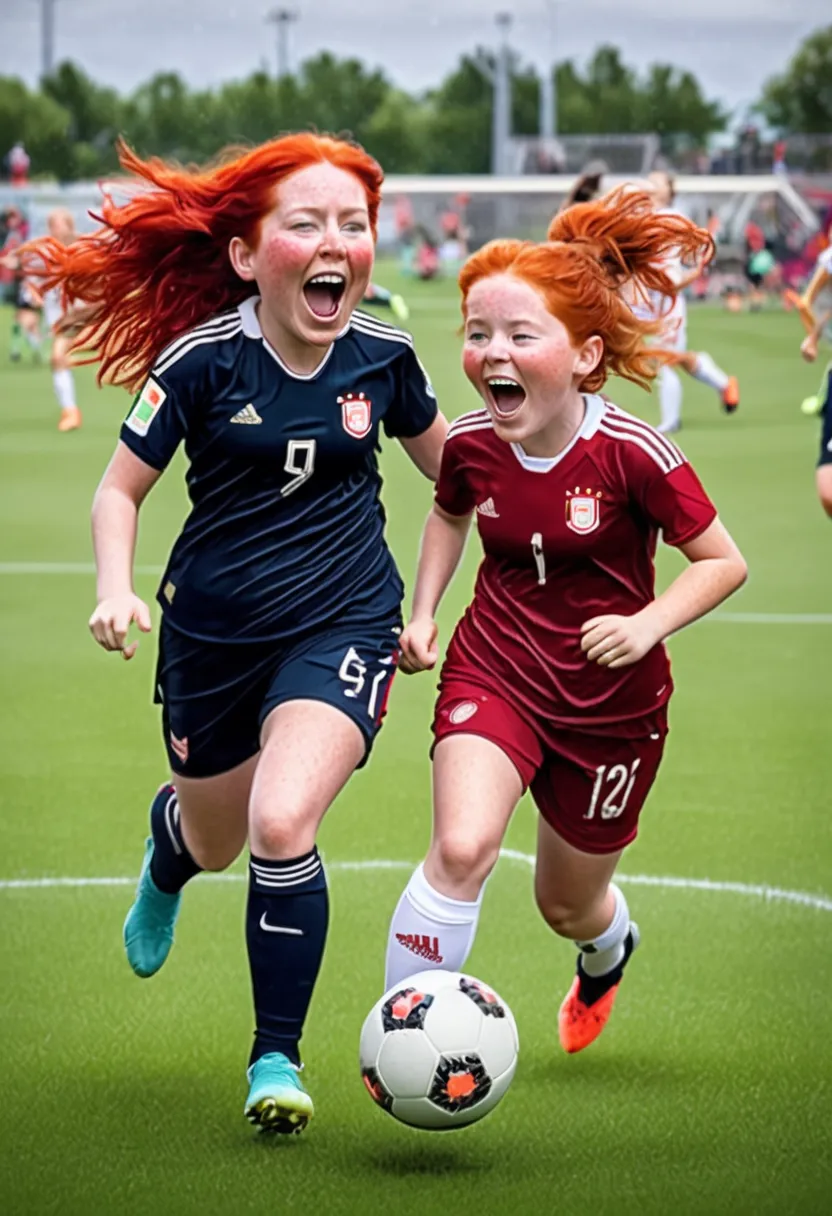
<point x="595" y="251"/>
<point x="159" y="265"/>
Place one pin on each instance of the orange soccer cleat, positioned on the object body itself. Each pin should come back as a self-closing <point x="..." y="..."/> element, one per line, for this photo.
<point x="588" y="1003"/>
<point x="731" y="395"/>
<point x="70" y="419"/>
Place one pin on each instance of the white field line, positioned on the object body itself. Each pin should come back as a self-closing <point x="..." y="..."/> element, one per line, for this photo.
<point x="821" y="903"/>
<point x="725" y="618"/>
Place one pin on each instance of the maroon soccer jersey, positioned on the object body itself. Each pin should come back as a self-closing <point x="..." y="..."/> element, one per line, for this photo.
<point x="566" y="539"/>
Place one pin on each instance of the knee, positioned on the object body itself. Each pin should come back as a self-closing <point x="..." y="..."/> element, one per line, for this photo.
<point x="282" y="835"/>
<point x="213" y="855"/>
<point x="561" y="917"/>
<point x="214" y="860"/>
<point x="823" y="482"/>
<point x="463" y="862"/>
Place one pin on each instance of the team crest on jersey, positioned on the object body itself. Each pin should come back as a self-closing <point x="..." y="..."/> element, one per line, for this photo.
<point x="356" y="414"/>
<point x="583" y="510"/>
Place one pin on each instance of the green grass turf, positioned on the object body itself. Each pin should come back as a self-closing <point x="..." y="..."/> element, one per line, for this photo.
<point x="709" y="1092"/>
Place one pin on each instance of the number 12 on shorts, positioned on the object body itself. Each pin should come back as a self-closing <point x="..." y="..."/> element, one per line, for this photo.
<point x="612" y="789"/>
<point x="353" y="672"/>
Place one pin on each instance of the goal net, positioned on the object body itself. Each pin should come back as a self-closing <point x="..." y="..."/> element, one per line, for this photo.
<point x="521" y="206"/>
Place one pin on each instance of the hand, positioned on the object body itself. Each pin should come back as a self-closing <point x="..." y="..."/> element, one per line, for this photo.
<point x="113" y="617"/>
<point x="618" y="641"/>
<point x="418" y="646"/>
<point x="809" y="348"/>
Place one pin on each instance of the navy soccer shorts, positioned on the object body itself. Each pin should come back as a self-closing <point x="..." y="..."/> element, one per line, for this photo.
<point x="826" y="420"/>
<point x="215" y="696"/>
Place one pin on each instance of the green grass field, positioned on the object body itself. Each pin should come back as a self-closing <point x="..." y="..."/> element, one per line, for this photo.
<point x="711" y="1091"/>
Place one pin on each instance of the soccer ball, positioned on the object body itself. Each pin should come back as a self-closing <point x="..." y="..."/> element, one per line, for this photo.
<point x="438" y="1050"/>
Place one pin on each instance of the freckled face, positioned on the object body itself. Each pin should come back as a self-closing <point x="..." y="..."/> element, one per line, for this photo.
<point x="315" y="254"/>
<point x="518" y="357"/>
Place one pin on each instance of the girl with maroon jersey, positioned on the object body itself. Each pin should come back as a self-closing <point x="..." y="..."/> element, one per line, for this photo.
<point x="556" y="678"/>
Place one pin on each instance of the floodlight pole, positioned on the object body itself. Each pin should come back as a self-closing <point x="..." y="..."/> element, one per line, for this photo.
<point x="501" y="115"/>
<point x="548" y="92"/>
<point x="47" y="37"/>
<point x="282" y="19"/>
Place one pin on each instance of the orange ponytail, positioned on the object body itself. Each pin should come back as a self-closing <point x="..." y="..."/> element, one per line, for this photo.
<point x="159" y="265"/>
<point x="594" y="251"/>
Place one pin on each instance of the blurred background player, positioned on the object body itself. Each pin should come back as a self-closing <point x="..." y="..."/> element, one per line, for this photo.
<point x="61" y="228"/>
<point x="26" y="322"/>
<point x="760" y="264"/>
<point x="426" y="261"/>
<point x="382" y="298"/>
<point x="673" y="341"/>
<point x="556" y="678"/>
<point x="821" y="402"/>
<point x="453" y="249"/>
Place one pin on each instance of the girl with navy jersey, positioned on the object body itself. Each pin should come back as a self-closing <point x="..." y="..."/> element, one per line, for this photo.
<point x="226" y="299"/>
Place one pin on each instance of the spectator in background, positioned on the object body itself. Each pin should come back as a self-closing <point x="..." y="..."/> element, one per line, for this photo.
<point x="18" y="163"/>
<point x="778" y="159"/>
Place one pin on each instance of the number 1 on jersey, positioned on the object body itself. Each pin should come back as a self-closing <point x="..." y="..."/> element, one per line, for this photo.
<point x="300" y="461"/>
<point x="539" y="558"/>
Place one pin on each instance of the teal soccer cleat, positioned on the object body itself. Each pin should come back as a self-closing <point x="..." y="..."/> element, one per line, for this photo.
<point x="277" y="1101"/>
<point x="148" y="929"/>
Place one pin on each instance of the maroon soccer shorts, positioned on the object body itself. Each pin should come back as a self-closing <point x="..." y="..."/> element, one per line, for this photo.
<point x="589" y="787"/>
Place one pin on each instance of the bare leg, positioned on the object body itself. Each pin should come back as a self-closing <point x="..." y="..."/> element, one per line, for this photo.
<point x="476" y="788"/>
<point x="823" y="481"/>
<point x="572" y="888"/>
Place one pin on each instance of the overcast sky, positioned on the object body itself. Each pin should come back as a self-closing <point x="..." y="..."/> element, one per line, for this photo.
<point x="731" y="45"/>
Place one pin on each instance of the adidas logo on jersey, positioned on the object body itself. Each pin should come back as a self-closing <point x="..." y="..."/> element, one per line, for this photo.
<point x="488" y="508"/>
<point x="248" y="414"/>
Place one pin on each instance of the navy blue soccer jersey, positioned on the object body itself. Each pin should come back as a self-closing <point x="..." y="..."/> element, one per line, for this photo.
<point x="286" y="529"/>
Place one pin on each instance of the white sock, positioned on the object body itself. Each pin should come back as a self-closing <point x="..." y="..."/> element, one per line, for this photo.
<point x="429" y="931"/>
<point x="707" y="371"/>
<point x="33" y="338"/>
<point x="670" y="399"/>
<point x="607" y="950"/>
<point x="64" y="387"/>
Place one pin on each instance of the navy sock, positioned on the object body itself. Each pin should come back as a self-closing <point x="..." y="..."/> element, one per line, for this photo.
<point x="171" y="864"/>
<point x="286" y="924"/>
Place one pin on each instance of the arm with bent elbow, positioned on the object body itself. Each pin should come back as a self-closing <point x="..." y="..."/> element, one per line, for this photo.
<point x="717" y="569"/>
<point x="443" y="542"/>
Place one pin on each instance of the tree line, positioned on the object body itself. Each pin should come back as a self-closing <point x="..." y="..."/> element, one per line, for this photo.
<point x="69" y="123"/>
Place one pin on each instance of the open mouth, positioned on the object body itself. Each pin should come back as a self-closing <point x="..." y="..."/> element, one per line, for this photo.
<point x="323" y="293"/>
<point x="506" y="396"/>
